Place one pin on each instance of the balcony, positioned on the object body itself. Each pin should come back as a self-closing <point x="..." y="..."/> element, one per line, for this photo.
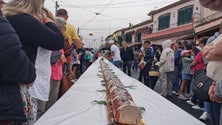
<point x="169" y="32"/>
<point x="208" y="19"/>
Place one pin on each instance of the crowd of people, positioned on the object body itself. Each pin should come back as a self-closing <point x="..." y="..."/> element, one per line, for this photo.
<point x="43" y="56"/>
<point x="178" y="64"/>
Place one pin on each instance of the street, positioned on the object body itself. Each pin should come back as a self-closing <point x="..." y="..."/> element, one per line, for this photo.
<point x="180" y="103"/>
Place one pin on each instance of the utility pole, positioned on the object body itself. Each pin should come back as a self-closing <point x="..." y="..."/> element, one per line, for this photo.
<point x="56" y="6"/>
<point x="78" y="31"/>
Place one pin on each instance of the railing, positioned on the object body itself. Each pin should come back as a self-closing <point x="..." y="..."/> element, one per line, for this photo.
<point x="208" y="19"/>
<point x="171" y="31"/>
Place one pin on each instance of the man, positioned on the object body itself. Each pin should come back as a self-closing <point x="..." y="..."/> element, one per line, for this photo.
<point x="115" y="53"/>
<point x="16" y="69"/>
<point x="147" y="55"/>
<point x="74" y="42"/>
<point x="70" y="32"/>
<point x="126" y="54"/>
<point x="176" y="77"/>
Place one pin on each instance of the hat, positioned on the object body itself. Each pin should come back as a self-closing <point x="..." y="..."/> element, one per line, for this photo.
<point x="184" y="52"/>
<point x="111" y="41"/>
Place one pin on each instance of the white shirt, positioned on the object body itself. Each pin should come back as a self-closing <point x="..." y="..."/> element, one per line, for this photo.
<point x="40" y="88"/>
<point x="116" y="51"/>
<point x="214" y="68"/>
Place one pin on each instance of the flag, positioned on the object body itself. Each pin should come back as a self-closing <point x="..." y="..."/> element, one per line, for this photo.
<point x="130" y="25"/>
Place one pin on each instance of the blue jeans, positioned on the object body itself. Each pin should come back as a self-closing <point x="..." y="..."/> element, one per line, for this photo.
<point x="117" y="64"/>
<point x="215" y="113"/>
<point x="207" y="107"/>
<point x="176" y="77"/>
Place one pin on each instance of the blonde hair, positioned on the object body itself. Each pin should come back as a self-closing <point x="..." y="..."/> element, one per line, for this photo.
<point x="31" y="7"/>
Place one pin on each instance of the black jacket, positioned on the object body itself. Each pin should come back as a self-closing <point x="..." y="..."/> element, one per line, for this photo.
<point x="126" y="54"/>
<point x="34" y="34"/>
<point x="15" y="68"/>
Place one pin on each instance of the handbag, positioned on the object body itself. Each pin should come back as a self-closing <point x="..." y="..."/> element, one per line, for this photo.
<point x="201" y="86"/>
<point x="154" y="70"/>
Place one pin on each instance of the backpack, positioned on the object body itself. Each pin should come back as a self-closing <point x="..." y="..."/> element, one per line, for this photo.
<point x="87" y="56"/>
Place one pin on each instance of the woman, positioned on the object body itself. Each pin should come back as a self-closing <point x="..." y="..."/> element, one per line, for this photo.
<point x="186" y="74"/>
<point x="166" y="67"/>
<point x="16" y="68"/>
<point x="197" y="66"/>
<point x="56" y="69"/>
<point x="38" y="34"/>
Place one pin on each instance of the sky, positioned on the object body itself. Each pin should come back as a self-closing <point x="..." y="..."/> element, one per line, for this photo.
<point x="104" y="17"/>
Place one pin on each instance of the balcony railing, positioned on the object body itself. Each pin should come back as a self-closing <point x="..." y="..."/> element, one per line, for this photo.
<point x="208" y="19"/>
<point x="172" y="31"/>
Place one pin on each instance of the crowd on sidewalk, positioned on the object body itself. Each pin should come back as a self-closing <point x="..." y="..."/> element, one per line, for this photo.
<point x="178" y="64"/>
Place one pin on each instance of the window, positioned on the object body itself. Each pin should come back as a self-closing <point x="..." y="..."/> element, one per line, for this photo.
<point x="128" y="38"/>
<point x="164" y="22"/>
<point x="185" y="15"/>
<point x="138" y="37"/>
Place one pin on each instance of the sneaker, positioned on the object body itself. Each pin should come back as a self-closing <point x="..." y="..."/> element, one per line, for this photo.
<point x="73" y="81"/>
<point x="197" y="107"/>
<point x="204" y="116"/>
<point x="190" y="102"/>
<point x="187" y="95"/>
<point x="175" y="93"/>
<point x="181" y="96"/>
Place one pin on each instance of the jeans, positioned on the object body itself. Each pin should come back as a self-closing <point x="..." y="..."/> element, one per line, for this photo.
<point x="195" y="99"/>
<point x="135" y="65"/>
<point x="145" y="76"/>
<point x="215" y="113"/>
<point x="207" y="107"/>
<point x="176" y="77"/>
<point x="127" y="64"/>
<point x="117" y="64"/>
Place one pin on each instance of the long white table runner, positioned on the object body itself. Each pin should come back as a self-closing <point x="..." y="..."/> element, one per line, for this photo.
<point x="75" y="107"/>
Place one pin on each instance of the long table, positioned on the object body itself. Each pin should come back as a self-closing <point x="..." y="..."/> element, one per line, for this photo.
<point x="75" y="107"/>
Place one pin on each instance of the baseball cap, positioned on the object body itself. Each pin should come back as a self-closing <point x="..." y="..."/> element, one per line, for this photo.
<point x="111" y="41"/>
<point x="184" y="52"/>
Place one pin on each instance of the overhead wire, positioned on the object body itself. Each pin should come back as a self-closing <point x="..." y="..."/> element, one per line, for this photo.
<point x="96" y="14"/>
<point x="94" y="5"/>
<point x="111" y="6"/>
<point x="72" y="5"/>
<point x="91" y="12"/>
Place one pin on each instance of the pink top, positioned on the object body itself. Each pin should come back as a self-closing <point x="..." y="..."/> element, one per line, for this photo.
<point x="200" y="65"/>
<point x="57" y="69"/>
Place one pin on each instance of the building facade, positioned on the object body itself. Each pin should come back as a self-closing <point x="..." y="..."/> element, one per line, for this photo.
<point x="182" y="20"/>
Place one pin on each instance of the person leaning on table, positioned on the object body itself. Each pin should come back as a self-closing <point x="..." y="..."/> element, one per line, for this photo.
<point x="16" y="68"/>
<point x="213" y="53"/>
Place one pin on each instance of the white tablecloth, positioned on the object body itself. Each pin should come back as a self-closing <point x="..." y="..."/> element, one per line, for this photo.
<point x="75" y="107"/>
